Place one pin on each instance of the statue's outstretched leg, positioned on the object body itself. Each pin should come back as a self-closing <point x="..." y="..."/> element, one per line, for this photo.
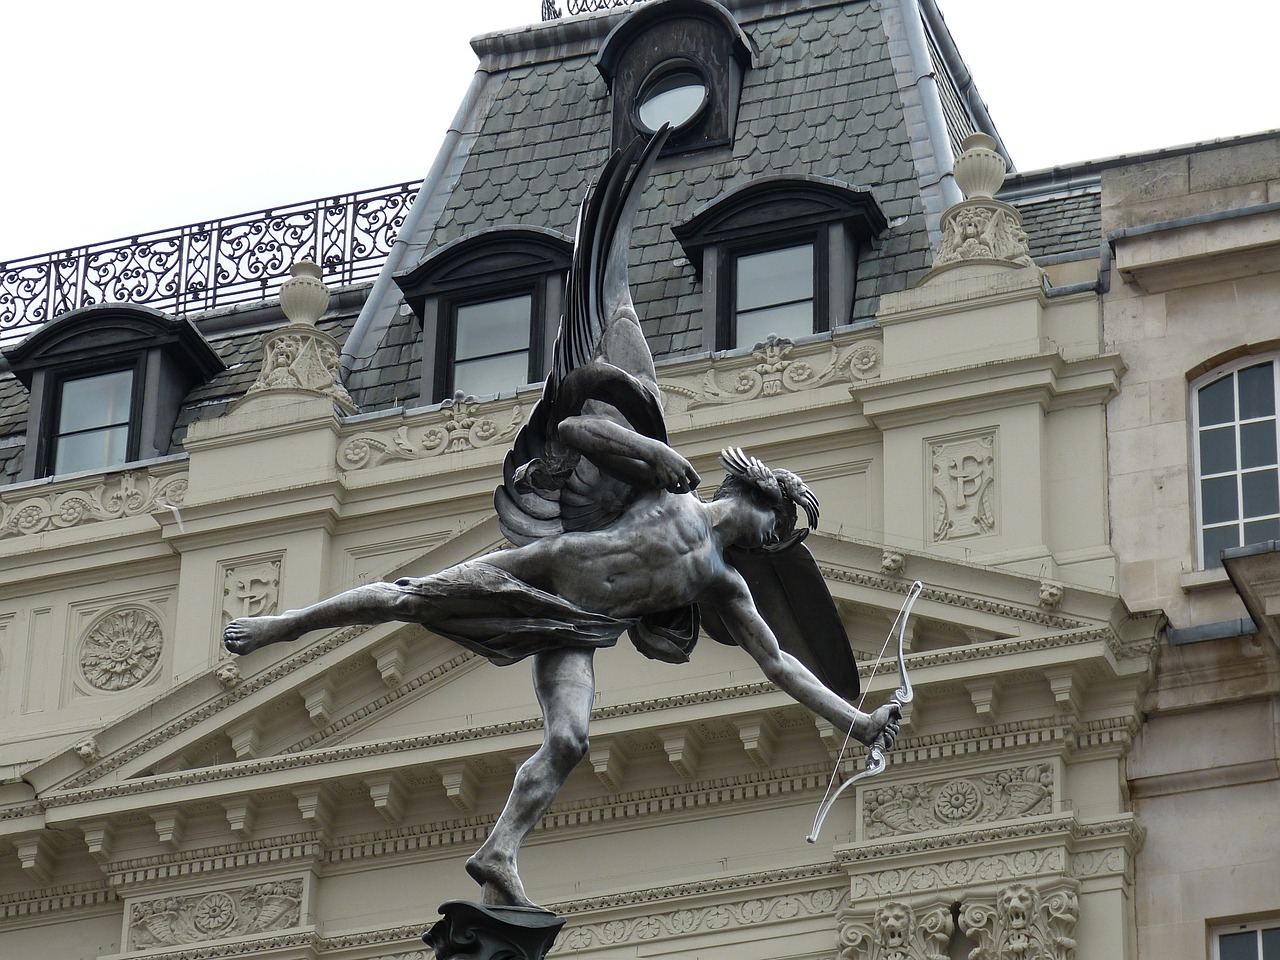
<point x="564" y="681"/>
<point x="374" y="603"/>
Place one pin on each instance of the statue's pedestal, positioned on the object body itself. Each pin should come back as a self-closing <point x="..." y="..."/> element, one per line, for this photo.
<point x="478" y="932"/>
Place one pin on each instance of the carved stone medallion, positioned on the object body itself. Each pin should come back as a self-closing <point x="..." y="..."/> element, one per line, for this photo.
<point x="250" y="589"/>
<point x="259" y="908"/>
<point x="121" y="649"/>
<point x="1020" y="791"/>
<point x="964" y="473"/>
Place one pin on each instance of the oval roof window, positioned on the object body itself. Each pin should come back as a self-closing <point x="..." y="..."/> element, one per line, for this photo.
<point x="675" y="98"/>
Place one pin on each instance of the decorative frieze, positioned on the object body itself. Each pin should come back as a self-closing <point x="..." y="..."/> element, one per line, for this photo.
<point x="463" y="423"/>
<point x="772" y="370"/>
<point x="963" y="486"/>
<point x="260" y="908"/>
<point x="129" y="494"/>
<point x="1018" y="791"/>
<point x="120" y="649"/>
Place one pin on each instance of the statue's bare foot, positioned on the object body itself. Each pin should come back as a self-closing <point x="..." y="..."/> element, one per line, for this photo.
<point x="249" y="633"/>
<point x="500" y="885"/>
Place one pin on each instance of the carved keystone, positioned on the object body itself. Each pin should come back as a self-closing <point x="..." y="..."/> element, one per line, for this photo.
<point x="683" y="750"/>
<point x="99" y="836"/>
<point x="610" y="764"/>
<point x="390" y="658"/>
<point x="240" y="815"/>
<point x="461" y="785"/>
<point x="37" y="856"/>
<point x="170" y="825"/>
<point x="985" y="694"/>
<point x="388" y="793"/>
<point x="759" y="735"/>
<point x="477" y="932"/>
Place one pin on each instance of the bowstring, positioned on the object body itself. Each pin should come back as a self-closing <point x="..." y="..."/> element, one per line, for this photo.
<point x="835" y="771"/>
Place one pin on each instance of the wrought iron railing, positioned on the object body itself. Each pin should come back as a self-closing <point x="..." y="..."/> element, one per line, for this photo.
<point x="551" y="10"/>
<point x="204" y="265"/>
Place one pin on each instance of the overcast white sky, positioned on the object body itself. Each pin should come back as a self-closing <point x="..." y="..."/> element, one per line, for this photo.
<point x="135" y="115"/>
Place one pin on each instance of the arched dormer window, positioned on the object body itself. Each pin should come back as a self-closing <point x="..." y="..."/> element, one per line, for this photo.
<point x="106" y="383"/>
<point x="679" y="62"/>
<point x="489" y="304"/>
<point x="779" y="255"/>
<point x="1234" y="425"/>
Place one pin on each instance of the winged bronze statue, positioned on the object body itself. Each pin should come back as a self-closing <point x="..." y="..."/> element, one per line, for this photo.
<point x="610" y="537"/>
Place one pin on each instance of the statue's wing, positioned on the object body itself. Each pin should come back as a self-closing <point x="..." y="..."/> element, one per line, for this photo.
<point x="600" y="365"/>
<point x="794" y="601"/>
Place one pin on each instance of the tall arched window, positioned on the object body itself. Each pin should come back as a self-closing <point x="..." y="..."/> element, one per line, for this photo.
<point x="1235" y="445"/>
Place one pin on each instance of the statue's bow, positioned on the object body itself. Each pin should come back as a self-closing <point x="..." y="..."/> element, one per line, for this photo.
<point x="879" y="746"/>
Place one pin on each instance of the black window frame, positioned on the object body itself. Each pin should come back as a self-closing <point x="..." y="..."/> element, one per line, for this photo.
<point x="842" y="223"/>
<point x="490" y="264"/>
<point x="49" y="436"/>
<point x="447" y="332"/>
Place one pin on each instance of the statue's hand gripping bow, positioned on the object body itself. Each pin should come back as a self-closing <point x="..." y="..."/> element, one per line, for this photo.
<point x="880" y="745"/>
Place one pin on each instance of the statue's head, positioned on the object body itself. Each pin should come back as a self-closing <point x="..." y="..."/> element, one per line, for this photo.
<point x="777" y="491"/>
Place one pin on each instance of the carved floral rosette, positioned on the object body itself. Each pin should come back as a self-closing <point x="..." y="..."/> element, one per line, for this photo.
<point x="1018" y="791"/>
<point x="773" y="370"/>
<point x="260" y="908"/>
<point x="121" y="649"/>
<point x="462" y="423"/>
<point x="128" y="494"/>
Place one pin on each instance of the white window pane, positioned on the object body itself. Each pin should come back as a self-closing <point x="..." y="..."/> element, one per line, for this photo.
<point x="92" y="402"/>
<point x="491" y="375"/>
<point x="774" y="277"/>
<point x="498" y="326"/>
<point x="1218" y="500"/>
<point x="95" y="450"/>
<point x="674" y="99"/>
<point x="1217" y="539"/>
<point x="793" y="320"/>
<point x="1261" y="531"/>
<point x="1261" y="493"/>
<point x="1218" y="450"/>
<point x="1271" y="944"/>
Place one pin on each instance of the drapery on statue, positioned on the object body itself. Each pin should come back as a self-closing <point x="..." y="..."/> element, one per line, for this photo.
<point x="611" y="537"/>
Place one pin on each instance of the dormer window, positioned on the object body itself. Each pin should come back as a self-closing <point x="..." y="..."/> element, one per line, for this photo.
<point x="489" y="305"/>
<point x="106" y="383"/>
<point x="94" y="422"/>
<point x="779" y="256"/>
<point x="679" y="62"/>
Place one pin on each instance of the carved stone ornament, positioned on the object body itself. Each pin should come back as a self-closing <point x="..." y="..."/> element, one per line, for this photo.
<point x="128" y="494"/>
<point x="1022" y="925"/>
<point x="964" y="470"/>
<point x="981" y="228"/>
<point x="87" y="750"/>
<point x="228" y="674"/>
<point x="479" y="932"/>
<point x="897" y="932"/>
<point x="772" y="371"/>
<point x="299" y="356"/>
<point x="1021" y="791"/>
<point x="260" y="908"/>
<point x="1050" y="595"/>
<point x="892" y="563"/>
<point x="250" y="589"/>
<point x="121" y="649"/>
<point x="460" y="425"/>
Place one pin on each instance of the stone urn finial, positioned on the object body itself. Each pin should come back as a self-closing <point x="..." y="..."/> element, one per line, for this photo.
<point x="979" y="170"/>
<point x="304" y="296"/>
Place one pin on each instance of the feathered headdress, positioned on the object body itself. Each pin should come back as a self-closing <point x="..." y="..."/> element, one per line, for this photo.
<point x="778" y="486"/>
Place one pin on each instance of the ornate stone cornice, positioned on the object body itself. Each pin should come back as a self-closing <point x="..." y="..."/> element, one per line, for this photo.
<point x="775" y="368"/>
<point x="952" y="598"/>
<point x="462" y="423"/>
<point x="113" y="497"/>
<point x="288" y="945"/>
<point x="306" y="846"/>
<point x="18" y="906"/>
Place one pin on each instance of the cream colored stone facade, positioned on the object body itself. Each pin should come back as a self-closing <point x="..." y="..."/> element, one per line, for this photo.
<point x="318" y="801"/>
<point x="1195" y="286"/>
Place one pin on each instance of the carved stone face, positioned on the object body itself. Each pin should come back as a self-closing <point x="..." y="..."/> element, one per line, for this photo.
<point x="892" y="921"/>
<point x="1015" y="906"/>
